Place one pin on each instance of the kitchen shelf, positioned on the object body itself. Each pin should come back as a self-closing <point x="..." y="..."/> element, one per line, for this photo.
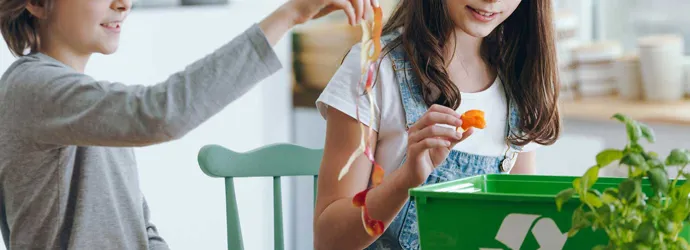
<point x="589" y="109"/>
<point x="584" y="108"/>
<point x="304" y="97"/>
<point x="602" y="108"/>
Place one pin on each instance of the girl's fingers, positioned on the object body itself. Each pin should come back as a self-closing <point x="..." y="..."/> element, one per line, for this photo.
<point x="433" y="118"/>
<point x="429" y="143"/>
<point x="443" y="109"/>
<point x="437" y="114"/>
<point x="435" y="131"/>
<point x="465" y="135"/>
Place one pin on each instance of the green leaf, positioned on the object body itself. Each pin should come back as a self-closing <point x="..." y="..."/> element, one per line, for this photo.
<point x="653" y="155"/>
<point x="635" y="148"/>
<point x="651" y="213"/>
<point x="678" y="157"/>
<point x="658" y="178"/>
<point x="634" y="131"/>
<point x="667" y="226"/>
<point x="647" y="132"/>
<point x="605" y="213"/>
<point x="678" y="211"/>
<point x="610" y="195"/>
<point x="654" y="201"/>
<point x="595" y="192"/>
<point x="563" y="196"/>
<point x="579" y="219"/>
<point x="592" y="199"/>
<point x="650" y="155"/>
<point x="590" y="177"/>
<point x="632" y="223"/>
<point x="628" y="189"/>
<point x="684" y="191"/>
<point x="633" y="159"/>
<point x="640" y="170"/>
<point x="591" y="217"/>
<point x="645" y="233"/>
<point x="577" y="185"/>
<point x="655" y="163"/>
<point x="621" y="117"/>
<point x="682" y="244"/>
<point x="600" y="247"/>
<point x="636" y="246"/>
<point x="606" y="157"/>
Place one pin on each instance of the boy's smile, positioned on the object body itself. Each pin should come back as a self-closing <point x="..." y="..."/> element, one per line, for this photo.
<point x="112" y="26"/>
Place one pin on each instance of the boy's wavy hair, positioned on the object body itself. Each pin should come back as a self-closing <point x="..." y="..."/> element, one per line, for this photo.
<point x="18" y="27"/>
<point x="522" y="49"/>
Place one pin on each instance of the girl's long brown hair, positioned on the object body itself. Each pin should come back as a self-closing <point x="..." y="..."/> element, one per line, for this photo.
<point x="521" y="49"/>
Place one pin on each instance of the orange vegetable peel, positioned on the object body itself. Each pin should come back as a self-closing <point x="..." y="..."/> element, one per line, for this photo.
<point x="472" y="118"/>
<point x="371" y="36"/>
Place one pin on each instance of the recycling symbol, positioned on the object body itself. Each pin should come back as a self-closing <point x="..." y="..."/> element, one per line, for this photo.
<point x="515" y="227"/>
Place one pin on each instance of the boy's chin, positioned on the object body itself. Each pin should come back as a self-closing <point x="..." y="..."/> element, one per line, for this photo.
<point x="108" y="49"/>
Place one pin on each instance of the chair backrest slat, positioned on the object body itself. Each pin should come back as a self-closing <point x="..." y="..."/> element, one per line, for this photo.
<point x="277" y="214"/>
<point x="232" y="216"/>
<point x="274" y="161"/>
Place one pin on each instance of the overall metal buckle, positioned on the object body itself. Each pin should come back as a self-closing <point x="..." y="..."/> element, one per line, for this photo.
<point x="509" y="160"/>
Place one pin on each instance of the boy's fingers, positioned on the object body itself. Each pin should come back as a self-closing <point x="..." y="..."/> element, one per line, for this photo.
<point x="368" y="10"/>
<point x="359" y="9"/>
<point x="346" y="6"/>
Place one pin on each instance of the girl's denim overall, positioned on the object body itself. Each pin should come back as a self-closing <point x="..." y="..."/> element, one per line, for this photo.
<point x="402" y="232"/>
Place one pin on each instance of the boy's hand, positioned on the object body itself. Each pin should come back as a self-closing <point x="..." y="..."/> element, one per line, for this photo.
<point x="296" y="12"/>
<point x="356" y="10"/>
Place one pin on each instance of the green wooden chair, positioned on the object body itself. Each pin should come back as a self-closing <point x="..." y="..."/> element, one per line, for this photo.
<point x="275" y="161"/>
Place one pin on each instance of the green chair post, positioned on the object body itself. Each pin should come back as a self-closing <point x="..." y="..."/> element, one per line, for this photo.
<point x="276" y="160"/>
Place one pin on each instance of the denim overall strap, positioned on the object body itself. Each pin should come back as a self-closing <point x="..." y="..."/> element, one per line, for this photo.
<point x="512" y="128"/>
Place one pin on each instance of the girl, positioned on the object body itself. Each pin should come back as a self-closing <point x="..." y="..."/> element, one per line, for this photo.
<point x="67" y="177"/>
<point x="440" y="59"/>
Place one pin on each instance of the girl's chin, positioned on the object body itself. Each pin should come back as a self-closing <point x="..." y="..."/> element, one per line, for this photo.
<point x="478" y="31"/>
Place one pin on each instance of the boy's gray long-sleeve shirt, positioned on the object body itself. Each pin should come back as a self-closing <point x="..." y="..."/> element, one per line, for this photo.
<point x="68" y="175"/>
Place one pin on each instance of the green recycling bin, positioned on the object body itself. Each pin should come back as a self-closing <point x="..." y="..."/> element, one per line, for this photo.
<point x="500" y="211"/>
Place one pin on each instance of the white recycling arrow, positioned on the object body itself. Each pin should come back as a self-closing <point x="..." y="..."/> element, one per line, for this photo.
<point x="548" y="235"/>
<point x="515" y="227"/>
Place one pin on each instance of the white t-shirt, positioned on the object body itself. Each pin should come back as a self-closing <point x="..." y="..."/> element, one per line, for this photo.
<point x="342" y="91"/>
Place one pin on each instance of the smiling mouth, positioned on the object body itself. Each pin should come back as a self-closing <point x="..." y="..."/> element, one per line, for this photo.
<point x="481" y="15"/>
<point x="111" y="25"/>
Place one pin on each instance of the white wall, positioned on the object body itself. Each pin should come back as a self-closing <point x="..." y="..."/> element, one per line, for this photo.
<point x="187" y="206"/>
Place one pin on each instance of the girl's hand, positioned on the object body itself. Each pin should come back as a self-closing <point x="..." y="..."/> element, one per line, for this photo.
<point x="356" y="10"/>
<point x="428" y="144"/>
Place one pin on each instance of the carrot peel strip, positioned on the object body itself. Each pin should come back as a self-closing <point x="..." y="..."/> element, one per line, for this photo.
<point x="371" y="50"/>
